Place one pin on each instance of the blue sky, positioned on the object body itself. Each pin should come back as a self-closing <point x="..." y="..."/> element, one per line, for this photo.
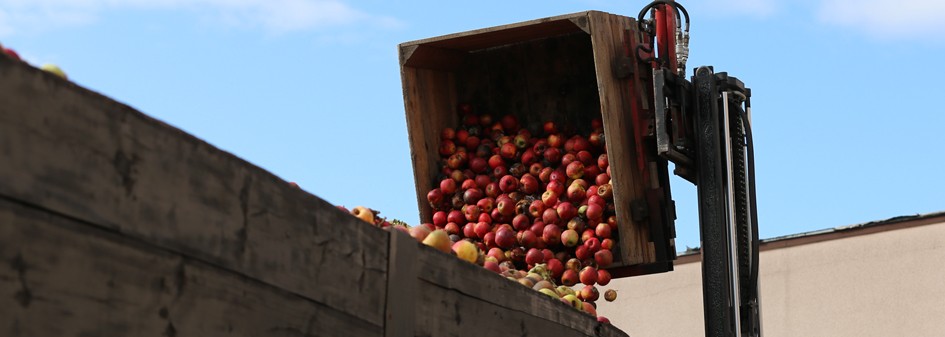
<point x="846" y="94"/>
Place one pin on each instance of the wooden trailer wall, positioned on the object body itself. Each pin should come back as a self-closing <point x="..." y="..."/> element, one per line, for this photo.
<point x="113" y="223"/>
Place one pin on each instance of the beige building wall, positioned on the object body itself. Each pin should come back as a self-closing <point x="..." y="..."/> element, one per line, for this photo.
<point x="880" y="280"/>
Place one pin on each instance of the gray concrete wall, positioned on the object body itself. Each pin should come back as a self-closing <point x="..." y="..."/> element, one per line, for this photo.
<point x="888" y="283"/>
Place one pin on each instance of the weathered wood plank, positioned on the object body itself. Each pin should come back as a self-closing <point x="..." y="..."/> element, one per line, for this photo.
<point x="430" y="103"/>
<point x="449" y="312"/>
<point x="61" y="277"/>
<point x="80" y="154"/>
<point x="498" y="297"/>
<point x="402" y="284"/>
<point x="606" y="31"/>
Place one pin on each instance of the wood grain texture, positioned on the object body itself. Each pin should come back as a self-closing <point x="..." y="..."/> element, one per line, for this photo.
<point x="607" y="32"/>
<point x="78" y="153"/>
<point x="492" y="305"/>
<point x="62" y="277"/>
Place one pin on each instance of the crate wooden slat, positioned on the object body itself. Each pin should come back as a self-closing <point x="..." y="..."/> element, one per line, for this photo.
<point x="560" y="69"/>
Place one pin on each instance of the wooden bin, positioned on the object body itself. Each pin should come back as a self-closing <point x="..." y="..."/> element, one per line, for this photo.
<point x="115" y="224"/>
<point x="561" y="69"/>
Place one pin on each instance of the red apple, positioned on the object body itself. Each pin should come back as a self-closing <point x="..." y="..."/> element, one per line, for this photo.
<point x="529" y="184"/>
<point x="545" y="174"/>
<point x="602" y="178"/>
<point x="576" y="192"/>
<point x="486" y="205"/>
<point x="471" y="212"/>
<point x="478" y="165"/>
<point x="506" y="207"/>
<point x="552" y="155"/>
<point x="534" y="256"/>
<point x="489" y="239"/>
<point x="447" y="148"/>
<point x="469" y="230"/>
<point x="451" y="228"/>
<point x="526" y="238"/>
<point x="549" y="198"/>
<point x="567" y="159"/>
<point x="551" y="234"/>
<point x="435" y="197"/>
<point x="520" y="222"/>
<point x="439" y="219"/>
<point x="602" y="231"/>
<point x="555" y="267"/>
<point x="550" y="216"/>
<point x="588" y="276"/>
<point x="559" y="175"/>
<point x="456" y="216"/>
<point x="569" y="277"/>
<point x="555" y="141"/>
<point x="593" y="198"/>
<point x="485" y="119"/>
<point x="581" y="253"/>
<point x="457" y="175"/>
<point x="492" y="190"/>
<point x="569" y="238"/>
<point x="603" y="162"/>
<point x="496" y="253"/>
<point x="538" y="227"/>
<point x="468" y="184"/>
<point x="591" y="171"/>
<point x="536" y="208"/>
<point x="587" y="235"/>
<point x="447" y="134"/>
<point x="508" y="184"/>
<point x="595" y="212"/>
<point x="566" y="211"/>
<point x="592" y="244"/>
<point x="603" y="277"/>
<point x="575" y="170"/>
<point x="589" y="293"/>
<point x="549" y="128"/>
<point x="557" y="187"/>
<point x="491" y="265"/>
<point x="580" y="144"/>
<point x="607" y="244"/>
<point x="535" y="169"/>
<point x="448" y="186"/>
<point x="504" y="238"/>
<point x="604" y="258"/>
<point x="529" y="157"/>
<point x="472" y="142"/>
<point x="482" y="228"/>
<point x="507" y="151"/>
<point x="495" y="161"/>
<point x="500" y="171"/>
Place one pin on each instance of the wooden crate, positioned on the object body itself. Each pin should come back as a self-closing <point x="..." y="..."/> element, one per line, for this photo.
<point x="115" y="224"/>
<point x="562" y="69"/>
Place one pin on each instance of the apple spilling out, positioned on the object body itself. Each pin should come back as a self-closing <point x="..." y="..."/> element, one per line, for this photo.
<point x="530" y="195"/>
<point x="535" y="205"/>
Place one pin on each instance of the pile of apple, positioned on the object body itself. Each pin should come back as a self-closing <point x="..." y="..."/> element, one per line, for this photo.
<point x="528" y="198"/>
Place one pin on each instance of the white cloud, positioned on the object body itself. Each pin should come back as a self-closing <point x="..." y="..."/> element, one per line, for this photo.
<point x="278" y="16"/>
<point x="886" y="18"/>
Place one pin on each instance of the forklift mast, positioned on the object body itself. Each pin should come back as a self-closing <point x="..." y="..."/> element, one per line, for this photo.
<point x="703" y="126"/>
